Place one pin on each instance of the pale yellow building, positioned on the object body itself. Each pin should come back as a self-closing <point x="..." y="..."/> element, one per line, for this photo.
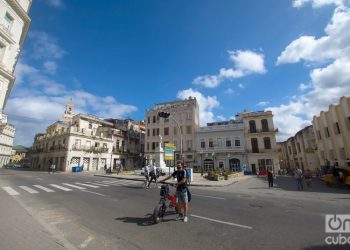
<point x="184" y="116"/>
<point x="261" y="146"/>
<point x="332" y="132"/>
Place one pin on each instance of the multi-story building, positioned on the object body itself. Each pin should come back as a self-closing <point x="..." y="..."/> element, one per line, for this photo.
<point x="86" y="140"/>
<point x="260" y="136"/>
<point x="332" y="132"/>
<point x="299" y="151"/>
<point x="221" y="145"/>
<point x="14" y="25"/>
<point x="179" y="127"/>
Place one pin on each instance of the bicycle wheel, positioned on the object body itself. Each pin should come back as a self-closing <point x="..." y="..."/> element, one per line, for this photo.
<point x="158" y="213"/>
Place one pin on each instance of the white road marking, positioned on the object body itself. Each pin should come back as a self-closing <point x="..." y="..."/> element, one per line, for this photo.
<point x="86" y="185"/>
<point x="60" y="187"/>
<point x="29" y="190"/>
<point x="10" y="191"/>
<point x="223" y="222"/>
<point x="73" y="186"/>
<point x="207" y="196"/>
<point x="93" y="192"/>
<point x="86" y="242"/>
<point x="44" y="188"/>
<point x="98" y="184"/>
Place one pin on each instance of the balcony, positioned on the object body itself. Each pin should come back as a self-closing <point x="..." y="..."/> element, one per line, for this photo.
<point x="58" y="148"/>
<point x="263" y="130"/>
<point x="261" y="151"/>
<point x="90" y="149"/>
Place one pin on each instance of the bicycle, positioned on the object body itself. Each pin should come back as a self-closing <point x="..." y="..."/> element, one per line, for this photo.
<point x="166" y="201"/>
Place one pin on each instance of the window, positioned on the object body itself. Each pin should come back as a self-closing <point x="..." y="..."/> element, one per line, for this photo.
<point x="220" y="142"/>
<point x="148" y="120"/>
<point x="154" y="119"/>
<point x="166" y="131"/>
<point x="211" y="143"/>
<point x="8" y="21"/>
<point x="336" y="128"/>
<point x="254" y="143"/>
<point x="319" y="135"/>
<point x="189" y="130"/>
<point x="154" y="132"/>
<point x="157" y="131"/>
<point x="117" y="145"/>
<point x="90" y="126"/>
<point x="147" y="132"/>
<point x="237" y="143"/>
<point x="153" y="145"/>
<point x="252" y="126"/>
<point x="267" y="143"/>
<point x="228" y="142"/>
<point x="189" y="145"/>
<point x="2" y="51"/>
<point x="188" y="116"/>
<point x="97" y="144"/>
<point x="202" y="143"/>
<point x="264" y="125"/>
<point x="326" y="131"/>
<point x="104" y="145"/>
<point x="77" y="142"/>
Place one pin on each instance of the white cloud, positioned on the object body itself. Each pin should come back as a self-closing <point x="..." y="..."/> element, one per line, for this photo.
<point x="50" y="67"/>
<point x="263" y="104"/>
<point x="45" y="46"/>
<point x="55" y="3"/>
<point x="241" y="86"/>
<point x="221" y="118"/>
<point x="206" y="104"/>
<point x="229" y="91"/>
<point x="245" y="63"/>
<point x="327" y="83"/>
<point x="316" y="3"/>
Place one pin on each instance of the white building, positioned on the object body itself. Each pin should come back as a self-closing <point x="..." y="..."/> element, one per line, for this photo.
<point x="221" y="145"/>
<point x="14" y="25"/>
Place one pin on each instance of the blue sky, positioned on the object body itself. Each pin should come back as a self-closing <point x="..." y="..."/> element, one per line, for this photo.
<point x="119" y="58"/>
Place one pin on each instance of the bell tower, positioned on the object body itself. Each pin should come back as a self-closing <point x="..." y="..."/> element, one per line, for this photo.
<point x="69" y="112"/>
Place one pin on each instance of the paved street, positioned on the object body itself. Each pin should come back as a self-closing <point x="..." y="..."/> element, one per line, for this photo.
<point x="82" y="211"/>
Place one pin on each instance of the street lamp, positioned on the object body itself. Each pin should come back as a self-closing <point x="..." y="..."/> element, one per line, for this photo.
<point x="213" y="155"/>
<point x="201" y="153"/>
<point x="228" y="160"/>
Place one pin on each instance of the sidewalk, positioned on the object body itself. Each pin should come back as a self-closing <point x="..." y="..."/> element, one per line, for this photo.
<point x="198" y="180"/>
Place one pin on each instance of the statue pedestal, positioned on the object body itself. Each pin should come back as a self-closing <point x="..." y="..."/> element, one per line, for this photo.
<point x="159" y="158"/>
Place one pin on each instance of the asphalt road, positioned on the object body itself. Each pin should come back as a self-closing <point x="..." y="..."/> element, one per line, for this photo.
<point x="79" y="211"/>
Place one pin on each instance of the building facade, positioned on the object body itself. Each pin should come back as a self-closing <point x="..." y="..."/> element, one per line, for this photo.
<point x="14" y="25"/>
<point x="88" y="141"/>
<point x="299" y="151"/>
<point x="178" y="129"/>
<point x="221" y="145"/>
<point x="332" y="132"/>
<point x="260" y="137"/>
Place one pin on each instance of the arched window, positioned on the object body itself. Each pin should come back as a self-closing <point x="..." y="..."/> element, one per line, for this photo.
<point x="252" y="126"/>
<point x="264" y="125"/>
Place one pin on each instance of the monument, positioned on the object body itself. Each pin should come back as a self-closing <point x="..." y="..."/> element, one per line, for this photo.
<point x="159" y="156"/>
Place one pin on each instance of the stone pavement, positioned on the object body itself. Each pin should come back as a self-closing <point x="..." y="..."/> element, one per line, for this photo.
<point x="198" y="180"/>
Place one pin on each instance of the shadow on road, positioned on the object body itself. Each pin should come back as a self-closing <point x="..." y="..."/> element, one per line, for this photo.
<point x="288" y="183"/>
<point x="145" y="221"/>
<point x="326" y="247"/>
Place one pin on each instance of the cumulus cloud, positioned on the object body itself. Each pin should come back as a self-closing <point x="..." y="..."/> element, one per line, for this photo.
<point x="327" y="82"/>
<point x="229" y="91"/>
<point x="55" y="3"/>
<point x="44" y="46"/>
<point x="245" y="63"/>
<point x="263" y="104"/>
<point x="241" y="86"/>
<point x="206" y="104"/>
<point x="316" y="3"/>
<point x="50" y="67"/>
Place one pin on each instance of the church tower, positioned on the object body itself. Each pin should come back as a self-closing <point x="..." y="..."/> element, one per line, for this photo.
<point x="68" y="113"/>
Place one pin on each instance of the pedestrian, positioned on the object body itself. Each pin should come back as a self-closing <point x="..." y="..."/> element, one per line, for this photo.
<point x="53" y="167"/>
<point x="335" y="173"/>
<point x="153" y="174"/>
<point x="308" y="177"/>
<point x="146" y="174"/>
<point x="298" y="175"/>
<point x="188" y="174"/>
<point x="270" y="178"/>
<point x="181" y="191"/>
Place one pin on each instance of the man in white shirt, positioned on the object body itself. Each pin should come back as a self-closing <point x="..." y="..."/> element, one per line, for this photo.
<point x="153" y="174"/>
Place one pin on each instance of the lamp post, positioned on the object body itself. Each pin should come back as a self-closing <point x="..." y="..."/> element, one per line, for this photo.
<point x="228" y="160"/>
<point x="201" y="153"/>
<point x="213" y="155"/>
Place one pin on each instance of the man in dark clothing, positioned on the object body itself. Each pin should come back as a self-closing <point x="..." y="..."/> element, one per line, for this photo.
<point x="270" y="178"/>
<point x="181" y="191"/>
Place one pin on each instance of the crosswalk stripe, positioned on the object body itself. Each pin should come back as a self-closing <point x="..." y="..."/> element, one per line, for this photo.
<point x="73" y="186"/>
<point x="98" y="184"/>
<point x="44" y="188"/>
<point x="86" y="185"/>
<point x="29" y="190"/>
<point x="10" y="191"/>
<point x="60" y="187"/>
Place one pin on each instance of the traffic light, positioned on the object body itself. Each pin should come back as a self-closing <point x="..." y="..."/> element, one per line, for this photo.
<point x="163" y="114"/>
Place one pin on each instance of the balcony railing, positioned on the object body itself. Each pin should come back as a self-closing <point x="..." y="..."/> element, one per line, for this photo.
<point x="90" y="149"/>
<point x="260" y="151"/>
<point x="263" y="130"/>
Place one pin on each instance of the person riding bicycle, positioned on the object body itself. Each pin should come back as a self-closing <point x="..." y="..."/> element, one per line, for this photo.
<point x="181" y="191"/>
